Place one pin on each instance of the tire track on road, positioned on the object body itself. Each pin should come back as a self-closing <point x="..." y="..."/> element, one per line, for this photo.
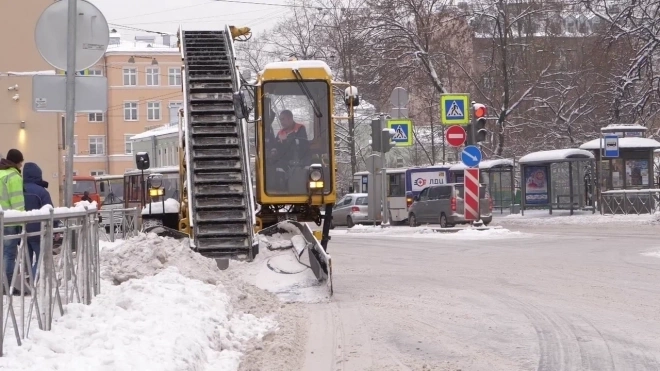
<point x="565" y="344"/>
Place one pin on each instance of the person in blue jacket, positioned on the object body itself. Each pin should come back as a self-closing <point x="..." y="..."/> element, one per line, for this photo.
<point x="36" y="197"/>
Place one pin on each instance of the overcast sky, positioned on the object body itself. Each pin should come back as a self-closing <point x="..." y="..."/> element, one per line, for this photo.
<point x="166" y="15"/>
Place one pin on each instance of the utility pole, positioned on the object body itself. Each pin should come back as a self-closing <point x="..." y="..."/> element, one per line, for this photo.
<point x="351" y="123"/>
<point x="432" y="127"/>
<point x="70" y="99"/>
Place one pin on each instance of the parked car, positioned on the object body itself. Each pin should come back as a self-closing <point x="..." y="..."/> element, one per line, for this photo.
<point x="350" y="210"/>
<point x="444" y="204"/>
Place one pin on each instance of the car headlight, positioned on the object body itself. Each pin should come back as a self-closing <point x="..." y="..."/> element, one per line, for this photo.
<point x="315" y="175"/>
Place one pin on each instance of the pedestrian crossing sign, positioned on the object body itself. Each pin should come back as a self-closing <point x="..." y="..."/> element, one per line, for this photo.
<point x="402" y="132"/>
<point x="454" y="109"/>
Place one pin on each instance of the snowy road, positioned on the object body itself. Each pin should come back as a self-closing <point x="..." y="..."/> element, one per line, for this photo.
<point x="553" y="299"/>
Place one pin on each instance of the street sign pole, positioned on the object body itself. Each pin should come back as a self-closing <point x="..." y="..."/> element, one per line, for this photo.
<point x="70" y="99"/>
<point x="385" y="213"/>
<point x="374" y="164"/>
<point x="471" y="194"/>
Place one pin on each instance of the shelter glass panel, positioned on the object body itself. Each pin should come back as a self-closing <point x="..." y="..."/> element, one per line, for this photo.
<point x="618" y="172"/>
<point x="637" y="173"/>
<point x="605" y="175"/>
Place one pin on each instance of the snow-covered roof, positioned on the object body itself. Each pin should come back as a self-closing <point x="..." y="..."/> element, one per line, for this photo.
<point x="164" y="130"/>
<point x="624" y="143"/>
<point x="615" y="128"/>
<point x="28" y="73"/>
<point x="556" y="155"/>
<point x="298" y="65"/>
<point x="119" y="46"/>
<point x="487" y="164"/>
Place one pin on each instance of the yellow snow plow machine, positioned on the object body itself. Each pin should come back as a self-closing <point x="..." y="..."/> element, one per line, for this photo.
<point x="290" y="105"/>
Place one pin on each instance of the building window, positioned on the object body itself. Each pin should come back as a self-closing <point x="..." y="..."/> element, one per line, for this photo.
<point x="153" y="111"/>
<point x="130" y="111"/>
<point x="75" y="173"/>
<point x="97" y="172"/>
<point x="128" y="144"/>
<point x="97" y="145"/>
<point x="130" y="76"/>
<point x="153" y="76"/>
<point x="174" y="112"/>
<point x="95" y="72"/>
<point x="95" y="117"/>
<point x="174" y="76"/>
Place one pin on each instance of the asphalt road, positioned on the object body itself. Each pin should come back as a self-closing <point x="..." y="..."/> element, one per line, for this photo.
<point x="561" y="298"/>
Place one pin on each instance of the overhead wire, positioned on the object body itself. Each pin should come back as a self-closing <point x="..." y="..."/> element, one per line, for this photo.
<point x="164" y="11"/>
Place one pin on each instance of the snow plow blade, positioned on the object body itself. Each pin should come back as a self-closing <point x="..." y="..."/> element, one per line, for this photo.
<point x="163" y="231"/>
<point x="319" y="261"/>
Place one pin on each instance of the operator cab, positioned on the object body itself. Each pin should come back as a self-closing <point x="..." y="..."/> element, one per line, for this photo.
<point x="295" y="133"/>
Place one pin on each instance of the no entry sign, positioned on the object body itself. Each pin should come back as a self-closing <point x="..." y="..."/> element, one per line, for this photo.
<point x="455" y="135"/>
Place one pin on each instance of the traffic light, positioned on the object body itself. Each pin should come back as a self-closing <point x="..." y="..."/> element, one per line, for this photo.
<point x="479" y="129"/>
<point x="375" y="135"/>
<point x="386" y="141"/>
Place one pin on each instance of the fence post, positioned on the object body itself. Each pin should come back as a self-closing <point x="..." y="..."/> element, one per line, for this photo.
<point x="112" y="225"/>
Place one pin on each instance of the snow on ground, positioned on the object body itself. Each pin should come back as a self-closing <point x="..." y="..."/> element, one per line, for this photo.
<point x="655" y="254"/>
<point x="276" y="269"/>
<point x="162" y="307"/>
<point x="542" y="217"/>
<point x="432" y="232"/>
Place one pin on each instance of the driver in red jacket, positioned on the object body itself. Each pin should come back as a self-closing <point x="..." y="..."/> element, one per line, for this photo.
<point x="292" y="137"/>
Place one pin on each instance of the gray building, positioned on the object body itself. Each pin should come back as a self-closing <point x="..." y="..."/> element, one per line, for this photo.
<point x="160" y="143"/>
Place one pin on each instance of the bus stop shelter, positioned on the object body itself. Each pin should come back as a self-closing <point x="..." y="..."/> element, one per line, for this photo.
<point x="557" y="179"/>
<point x="626" y="183"/>
<point x="499" y="176"/>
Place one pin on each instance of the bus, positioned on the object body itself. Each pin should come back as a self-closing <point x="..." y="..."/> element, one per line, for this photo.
<point x="403" y="184"/>
<point x="110" y="189"/>
<point x="111" y="194"/>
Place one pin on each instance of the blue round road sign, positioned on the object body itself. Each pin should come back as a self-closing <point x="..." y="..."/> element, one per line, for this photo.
<point x="471" y="156"/>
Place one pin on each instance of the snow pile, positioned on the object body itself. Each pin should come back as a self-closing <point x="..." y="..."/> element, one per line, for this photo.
<point x="45" y="210"/>
<point x="441" y="233"/>
<point x="148" y="254"/>
<point x="276" y="269"/>
<point x="171" y="206"/>
<point x="162" y="322"/>
<point x="542" y="217"/>
<point x="161" y="307"/>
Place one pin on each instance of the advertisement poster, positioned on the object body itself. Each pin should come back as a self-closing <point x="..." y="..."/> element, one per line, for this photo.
<point x="637" y="172"/>
<point x="536" y="185"/>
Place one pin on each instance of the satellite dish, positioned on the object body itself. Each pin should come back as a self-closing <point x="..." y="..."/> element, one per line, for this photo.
<point x="92" y="36"/>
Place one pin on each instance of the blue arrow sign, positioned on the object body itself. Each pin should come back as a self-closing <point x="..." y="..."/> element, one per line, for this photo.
<point x="471" y="156"/>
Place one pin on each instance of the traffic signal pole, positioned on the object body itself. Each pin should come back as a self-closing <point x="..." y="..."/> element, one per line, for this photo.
<point x="384" y="148"/>
<point x="471" y="134"/>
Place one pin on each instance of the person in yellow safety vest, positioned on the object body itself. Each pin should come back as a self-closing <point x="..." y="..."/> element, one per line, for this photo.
<point x="11" y="198"/>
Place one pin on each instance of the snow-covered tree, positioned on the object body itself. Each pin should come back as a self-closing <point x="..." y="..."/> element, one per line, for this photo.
<point x="633" y="28"/>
